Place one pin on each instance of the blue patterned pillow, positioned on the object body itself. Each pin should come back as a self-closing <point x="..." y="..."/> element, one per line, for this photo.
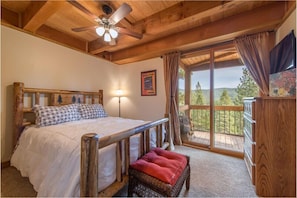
<point x="72" y="112"/>
<point x="91" y="111"/>
<point x="51" y="115"/>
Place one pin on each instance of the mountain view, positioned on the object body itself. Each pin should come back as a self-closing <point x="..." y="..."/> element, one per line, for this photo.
<point x="223" y="96"/>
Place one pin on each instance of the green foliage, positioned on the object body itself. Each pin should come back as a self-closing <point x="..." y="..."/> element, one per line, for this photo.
<point x="246" y="88"/>
<point x="197" y="96"/>
<point x="181" y="98"/>
<point x="222" y="121"/>
<point x="181" y="73"/>
<point x="181" y="93"/>
<point x="225" y="99"/>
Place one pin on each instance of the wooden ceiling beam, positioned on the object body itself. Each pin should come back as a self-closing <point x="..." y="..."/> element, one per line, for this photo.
<point x="38" y="12"/>
<point x="180" y="15"/>
<point x="10" y="18"/>
<point x="97" y="46"/>
<point x="260" y="19"/>
<point x="61" y="38"/>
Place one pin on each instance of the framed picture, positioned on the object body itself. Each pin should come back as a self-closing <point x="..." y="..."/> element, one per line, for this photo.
<point x="149" y="83"/>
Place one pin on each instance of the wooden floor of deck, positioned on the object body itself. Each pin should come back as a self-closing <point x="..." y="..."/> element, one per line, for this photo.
<point x="225" y="141"/>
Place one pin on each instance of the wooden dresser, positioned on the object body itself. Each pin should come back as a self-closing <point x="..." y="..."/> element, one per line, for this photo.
<point x="249" y="136"/>
<point x="270" y="145"/>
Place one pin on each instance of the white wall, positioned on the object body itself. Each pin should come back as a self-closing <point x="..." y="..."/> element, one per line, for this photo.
<point x="288" y="25"/>
<point x="135" y="106"/>
<point x="42" y="64"/>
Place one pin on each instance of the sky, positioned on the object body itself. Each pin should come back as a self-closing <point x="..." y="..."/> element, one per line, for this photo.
<point x="224" y="78"/>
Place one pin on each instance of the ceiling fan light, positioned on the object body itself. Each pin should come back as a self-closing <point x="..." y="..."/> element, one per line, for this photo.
<point x="107" y="37"/>
<point x="113" y="33"/>
<point x="100" y="30"/>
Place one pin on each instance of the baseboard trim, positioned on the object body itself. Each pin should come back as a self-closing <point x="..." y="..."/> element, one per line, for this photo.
<point x="5" y="164"/>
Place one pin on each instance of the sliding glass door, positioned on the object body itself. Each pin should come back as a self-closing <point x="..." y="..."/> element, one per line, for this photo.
<point x="197" y="97"/>
<point x="215" y="81"/>
<point x="228" y="113"/>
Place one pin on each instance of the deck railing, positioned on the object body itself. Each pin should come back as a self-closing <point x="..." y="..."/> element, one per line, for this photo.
<point x="227" y="119"/>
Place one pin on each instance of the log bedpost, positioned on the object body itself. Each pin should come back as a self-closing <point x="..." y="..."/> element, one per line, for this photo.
<point x="119" y="161"/>
<point x="127" y="155"/>
<point x="18" y="95"/>
<point x="147" y="140"/>
<point x="100" y="97"/>
<point x="89" y="165"/>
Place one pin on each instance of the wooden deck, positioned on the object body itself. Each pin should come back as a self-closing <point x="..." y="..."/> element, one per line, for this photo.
<point x="225" y="141"/>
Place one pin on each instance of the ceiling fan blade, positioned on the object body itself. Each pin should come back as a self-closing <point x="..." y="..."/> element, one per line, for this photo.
<point x="80" y="29"/>
<point x="120" y="13"/>
<point x="83" y="9"/>
<point x="129" y="32"/>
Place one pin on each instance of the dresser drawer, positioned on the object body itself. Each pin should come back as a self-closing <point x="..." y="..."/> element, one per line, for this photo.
<point x="249" y="147"/>
<point x="250" y="167"/>
<point x="249" y="127"/>
<point x="249" y="108"/>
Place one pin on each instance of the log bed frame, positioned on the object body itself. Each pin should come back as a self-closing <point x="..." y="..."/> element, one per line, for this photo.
<point x="90" y="142"/>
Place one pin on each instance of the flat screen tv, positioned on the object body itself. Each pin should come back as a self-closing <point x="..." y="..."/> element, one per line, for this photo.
<point x="283" y="55"/>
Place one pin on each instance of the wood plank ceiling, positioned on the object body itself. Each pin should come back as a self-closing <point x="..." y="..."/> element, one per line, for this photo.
<point x="166" y="25"/>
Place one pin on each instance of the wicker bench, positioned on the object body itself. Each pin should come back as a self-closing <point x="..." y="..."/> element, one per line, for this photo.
<point x="159" y="173"/>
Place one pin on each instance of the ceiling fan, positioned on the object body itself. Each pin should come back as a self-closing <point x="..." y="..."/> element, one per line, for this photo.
<point x="107" y="26"/>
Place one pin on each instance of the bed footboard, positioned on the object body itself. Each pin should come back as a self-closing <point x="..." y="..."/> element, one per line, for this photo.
<point x="91" y="143"/>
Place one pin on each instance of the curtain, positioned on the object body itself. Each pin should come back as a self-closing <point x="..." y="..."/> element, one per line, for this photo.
<point x="254" y="51"/>
<point x="171" y="66"/>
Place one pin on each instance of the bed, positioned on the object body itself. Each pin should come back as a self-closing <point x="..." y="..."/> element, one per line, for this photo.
<point x="68" y="146"/>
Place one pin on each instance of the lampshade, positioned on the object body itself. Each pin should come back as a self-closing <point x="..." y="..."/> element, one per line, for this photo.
<point x="107" y="37"/>
<point x="119" y="92"/>
<point x="113" y="33"/>
<point x="100" y="30"/>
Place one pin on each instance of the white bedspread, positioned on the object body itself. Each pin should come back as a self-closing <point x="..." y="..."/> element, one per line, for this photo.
<point x="50" y="156"/>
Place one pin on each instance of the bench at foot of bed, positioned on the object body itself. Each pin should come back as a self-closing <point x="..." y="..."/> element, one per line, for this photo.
<point x="159" y="173"/>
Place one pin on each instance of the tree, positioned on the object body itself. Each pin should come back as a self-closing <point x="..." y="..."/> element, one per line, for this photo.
<point x="181" y="93"/>
<point x="200" y="117"/>
<point x="222" y="117"/>
<point x="246" y="88"/>
<point x="199" y="97"/>
<point x="181" y="98"/>
<point x="225" y="99"/>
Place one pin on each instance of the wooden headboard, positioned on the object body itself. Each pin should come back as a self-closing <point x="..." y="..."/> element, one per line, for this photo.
<point x="25" y="99"/>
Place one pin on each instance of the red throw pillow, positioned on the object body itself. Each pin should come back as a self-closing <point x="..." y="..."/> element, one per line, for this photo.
<point x="164" y="165"/>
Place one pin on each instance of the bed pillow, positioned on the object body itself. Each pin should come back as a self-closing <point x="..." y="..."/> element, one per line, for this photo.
<point x="91" y="111"/>
<point x="51" y="115"/>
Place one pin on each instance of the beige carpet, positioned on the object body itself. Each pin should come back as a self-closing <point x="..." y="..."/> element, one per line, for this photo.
<point x="212" y="175"/>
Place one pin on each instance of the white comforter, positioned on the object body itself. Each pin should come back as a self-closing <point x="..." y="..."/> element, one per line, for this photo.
<point x="50" y="156"/>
